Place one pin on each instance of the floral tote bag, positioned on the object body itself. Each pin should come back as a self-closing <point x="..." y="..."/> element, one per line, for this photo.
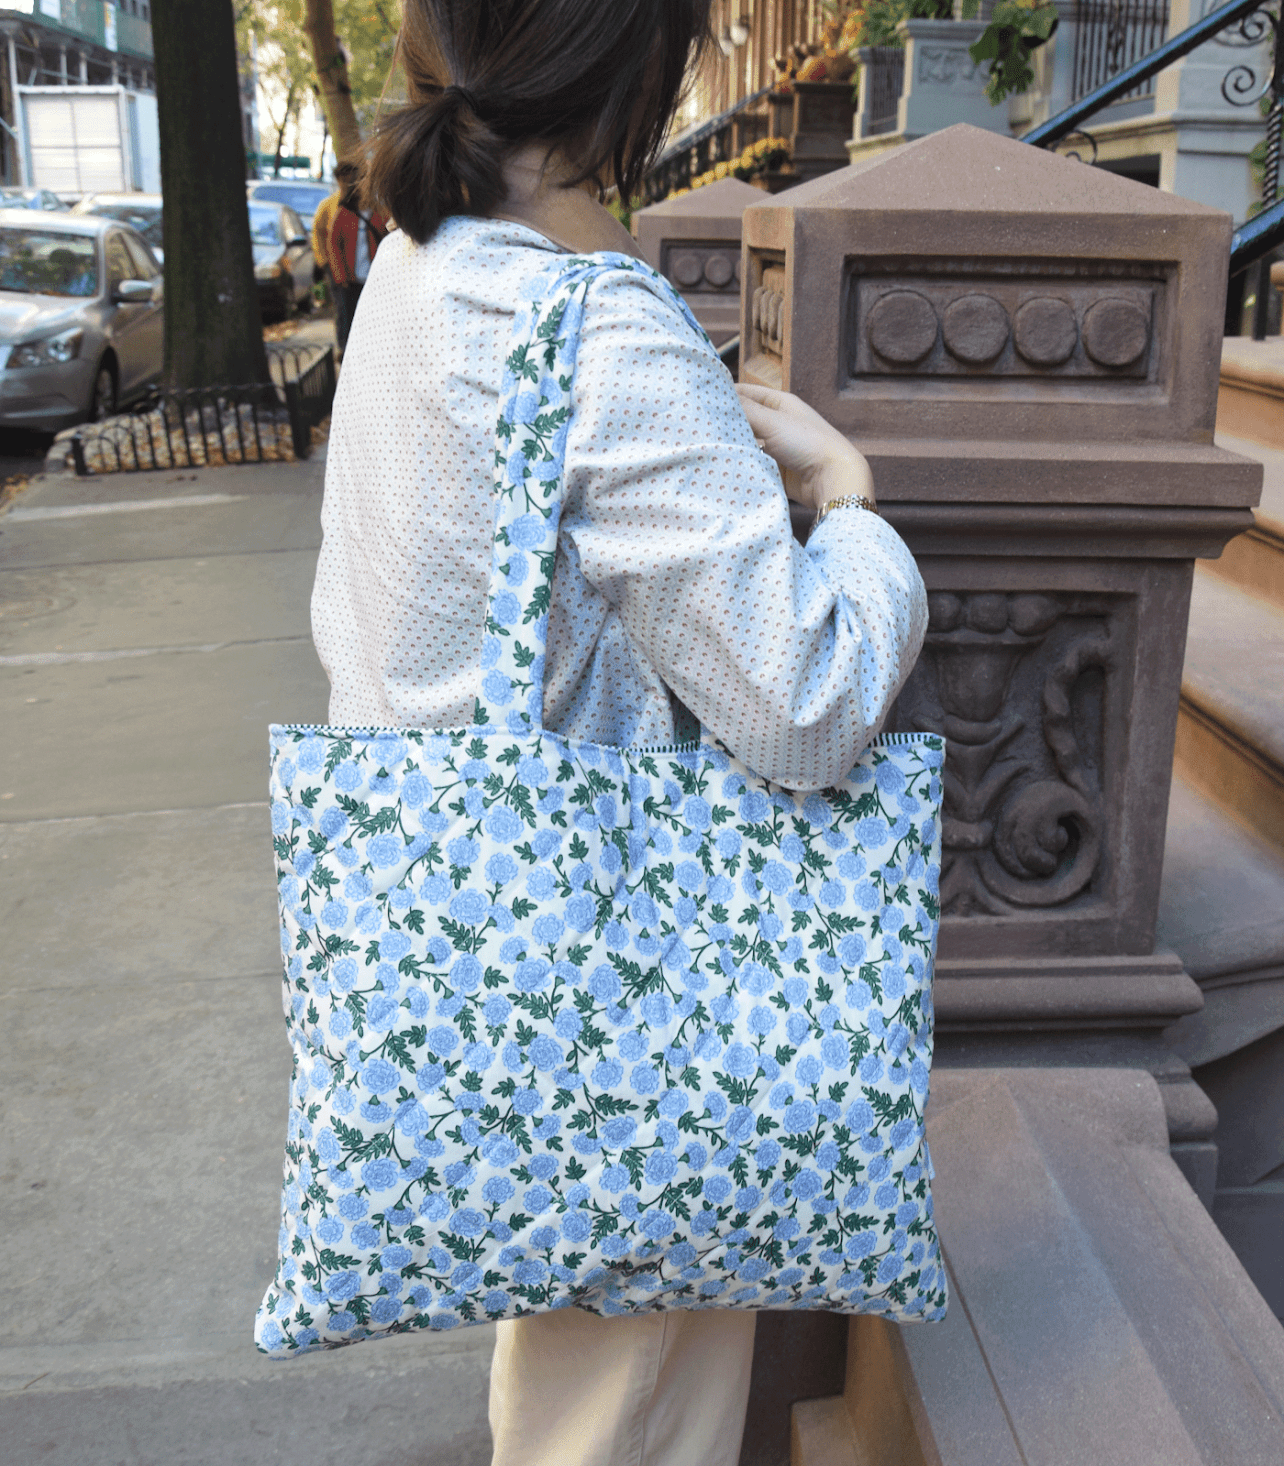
<point x="619" y="1029"/>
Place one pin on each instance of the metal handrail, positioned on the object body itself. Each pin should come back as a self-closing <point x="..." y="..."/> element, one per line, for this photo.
<point x="1253" y="241"/>
<point x="1172" y="50"/>
<point x="1263" y="233"/>
<point x="707" y="129"/>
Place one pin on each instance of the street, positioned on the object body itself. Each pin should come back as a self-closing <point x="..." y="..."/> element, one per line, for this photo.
<point x="21" y="453"/>
<point x="151" y="625"/>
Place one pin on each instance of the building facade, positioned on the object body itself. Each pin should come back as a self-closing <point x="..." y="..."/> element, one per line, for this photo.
<point x="95" y="50"/>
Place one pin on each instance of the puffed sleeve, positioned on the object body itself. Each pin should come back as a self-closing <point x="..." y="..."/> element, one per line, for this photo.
<point x="791" y="655"/>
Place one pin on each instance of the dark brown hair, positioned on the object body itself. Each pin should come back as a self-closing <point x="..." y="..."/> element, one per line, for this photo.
<point x="599" y="79"/>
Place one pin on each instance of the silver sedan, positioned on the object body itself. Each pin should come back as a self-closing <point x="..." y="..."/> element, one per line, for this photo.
<point x="82" y="326"/>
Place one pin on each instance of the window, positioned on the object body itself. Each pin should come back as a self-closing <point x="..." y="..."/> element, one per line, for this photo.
<point x="144" y="267"/>
<point x="305" y="196"/>
<point x="265" y="225"/>
<point x="147" y="221"/>
<point x="32" y="263"/>
<point x="119" y="266"/>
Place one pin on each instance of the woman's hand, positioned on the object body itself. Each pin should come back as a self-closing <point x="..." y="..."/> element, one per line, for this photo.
<point x="816" y="462"/>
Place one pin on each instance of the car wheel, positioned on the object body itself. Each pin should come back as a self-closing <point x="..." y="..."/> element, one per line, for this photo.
<point x="103" y="403"/>
<point x="306" y="302"/>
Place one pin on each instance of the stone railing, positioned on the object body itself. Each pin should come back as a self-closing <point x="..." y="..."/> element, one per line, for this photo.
<point x="1027" y="350"/>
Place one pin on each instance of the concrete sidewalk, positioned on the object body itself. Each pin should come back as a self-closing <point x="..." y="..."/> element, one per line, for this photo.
<point x="151" y="626"/>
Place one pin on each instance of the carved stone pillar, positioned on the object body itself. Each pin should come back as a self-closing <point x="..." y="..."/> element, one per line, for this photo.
<point x="695" y="242"/>
<point x="943" y="85"/>
<point x="1027" y="351"/>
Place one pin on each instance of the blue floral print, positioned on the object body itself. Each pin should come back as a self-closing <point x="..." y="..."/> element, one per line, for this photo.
<point x="577" y="1026"/>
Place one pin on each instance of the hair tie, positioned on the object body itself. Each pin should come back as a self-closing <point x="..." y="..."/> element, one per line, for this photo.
<point x="460" y="94"/>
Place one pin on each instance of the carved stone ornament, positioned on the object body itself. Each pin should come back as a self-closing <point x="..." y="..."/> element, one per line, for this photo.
<point x="768" y="311"/>
<point x="702" y="267"/>
<point x="1036" y="320"/>
<point x="1018" y="684"/>
<point x="945" y="64"/>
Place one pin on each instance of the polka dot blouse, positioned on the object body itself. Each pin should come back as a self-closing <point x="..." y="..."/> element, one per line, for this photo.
<point x="677" y="578"/>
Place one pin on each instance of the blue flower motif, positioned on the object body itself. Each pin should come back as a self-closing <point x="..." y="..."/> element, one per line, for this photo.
<point x="468" y="908"/>
<point x="545" y="1053"/>
<point x="380" y="1174"/>
<point x="799" y="1116"/>
<point x="384" y="851"/>
<point x="761" y="1019"/>
<point x="379" y="1076"/>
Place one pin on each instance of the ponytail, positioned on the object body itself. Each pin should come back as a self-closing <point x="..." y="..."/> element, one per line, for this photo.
<point x="484" y="77"/>
<point x="434" y="160"/>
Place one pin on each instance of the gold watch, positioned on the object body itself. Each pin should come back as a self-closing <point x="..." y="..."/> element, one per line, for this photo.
<point x="844" y="501"/>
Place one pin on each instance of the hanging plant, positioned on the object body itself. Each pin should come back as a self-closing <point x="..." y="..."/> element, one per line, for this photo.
<point x="1017" y="28"/>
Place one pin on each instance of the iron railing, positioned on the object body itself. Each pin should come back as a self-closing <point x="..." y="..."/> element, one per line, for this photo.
<point x="885" y="77"/>
<point x="697" y="151"/>
<point x="1234" y="13"/>
<point x="1112" y="34"/>
<point x="1243" y="23"/>
<point x="213" y="426"/>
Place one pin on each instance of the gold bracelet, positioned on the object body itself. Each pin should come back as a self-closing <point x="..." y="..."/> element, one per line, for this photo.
<point x="845" y="501"/>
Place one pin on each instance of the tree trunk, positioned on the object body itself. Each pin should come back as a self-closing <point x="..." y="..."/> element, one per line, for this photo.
<point x="213" y="330"/>
<point x="280" y="136"/>
<point x="332" y="74"/>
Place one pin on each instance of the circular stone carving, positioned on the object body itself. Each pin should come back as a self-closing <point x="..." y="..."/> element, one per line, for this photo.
<point x="1045" y="331"/>
<point x="718" y="270"/>
<point x="987" y="612"/>
<point x="975" y="328"/>
<point x="686" y="269"/>
<point x="944" y="610"/>
<point x="1115" y="332"/>
<point x="902" y="327"/>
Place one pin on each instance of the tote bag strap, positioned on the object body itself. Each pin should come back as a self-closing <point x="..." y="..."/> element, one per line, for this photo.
<point x="535" y="410"/>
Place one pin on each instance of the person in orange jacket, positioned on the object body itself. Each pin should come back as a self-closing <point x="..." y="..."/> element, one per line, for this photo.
<point x="344" y="241"/>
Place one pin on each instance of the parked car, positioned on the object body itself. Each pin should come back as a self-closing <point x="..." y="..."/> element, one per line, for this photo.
<point x="282" y="259"/>
<point x="141" y="211"/>
<point x="302" y="194"/>
<point x="31" y="198"/>
<point x="81" y="318"/>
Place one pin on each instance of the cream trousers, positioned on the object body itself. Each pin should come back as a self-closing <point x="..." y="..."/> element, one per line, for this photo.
<point x="658" y="1389"/>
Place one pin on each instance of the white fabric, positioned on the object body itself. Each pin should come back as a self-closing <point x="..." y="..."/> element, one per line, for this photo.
<point x="676" y="566"/>
<point x="660" y="1389"/>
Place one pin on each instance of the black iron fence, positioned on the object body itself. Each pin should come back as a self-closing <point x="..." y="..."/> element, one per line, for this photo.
<point x="213" y="426"/>
<point x="885" y="77"/>
<point x="1112" y="34"/>
<point x="695" y="153"/>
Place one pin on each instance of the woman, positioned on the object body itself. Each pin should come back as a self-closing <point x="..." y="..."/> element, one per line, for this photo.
<point x="679" y="590"/>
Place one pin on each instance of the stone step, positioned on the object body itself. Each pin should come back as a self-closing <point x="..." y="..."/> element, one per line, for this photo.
<point x="1076" y="1252"/>
<point x="1230" y="728"/>
<point x="1250" y="399"/>
<point x="1221" y="910"/>
<point x="1255" y="561"/>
